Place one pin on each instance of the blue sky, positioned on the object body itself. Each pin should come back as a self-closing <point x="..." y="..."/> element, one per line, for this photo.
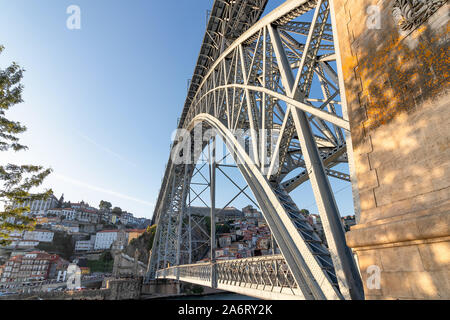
<point x="102" y="102"/>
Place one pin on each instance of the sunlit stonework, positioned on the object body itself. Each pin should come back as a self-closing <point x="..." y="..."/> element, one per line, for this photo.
<point x="411" y="13"/>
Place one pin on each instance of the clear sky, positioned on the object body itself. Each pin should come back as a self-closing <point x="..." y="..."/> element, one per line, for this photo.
<point x="102" y="102"/>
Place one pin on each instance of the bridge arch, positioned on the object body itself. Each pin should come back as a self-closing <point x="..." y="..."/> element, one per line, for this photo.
<point x="264" y="80"/>
<point x="308" y="271"/>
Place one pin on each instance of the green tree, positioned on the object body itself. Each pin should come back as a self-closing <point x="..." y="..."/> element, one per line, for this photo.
<point x="117" y="211"/>
<point x="152" y="231"/>
<point x="66" y="205"/>
<point x="196" y="289"/>
<point x="105" y="205"/>
<point x="106" y="256"/>
<point x="16" y="180"/>
<point x="305" y="212"/>
<point x="223" y="228"/>
<point x="104" y="264"/>
<point x="62" y="244"/>
<point x="143" y="244"/>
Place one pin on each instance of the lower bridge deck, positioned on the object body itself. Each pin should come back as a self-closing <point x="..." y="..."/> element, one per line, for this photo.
<point x="265" y="277"/>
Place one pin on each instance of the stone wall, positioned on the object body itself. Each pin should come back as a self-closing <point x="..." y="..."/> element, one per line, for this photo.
<point x="397" y="91"/>
<point x="125" y="265"/>
<point x="162" y="287"/>
<point x="124" y="289"/>
<point x="115" y="289"/>
<point x="102" y="294"/>
<point x="158" y="288"/>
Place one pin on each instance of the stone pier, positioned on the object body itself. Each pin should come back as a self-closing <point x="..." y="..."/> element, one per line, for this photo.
<point x="396" y="71"/>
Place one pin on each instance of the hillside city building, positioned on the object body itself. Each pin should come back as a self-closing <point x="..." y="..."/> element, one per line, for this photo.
<point x="32" y="266"/>
<point x="88" y="232"/>
<point x="38" y="206"/>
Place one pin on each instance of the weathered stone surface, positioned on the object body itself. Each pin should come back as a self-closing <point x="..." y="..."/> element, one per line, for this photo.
<point x="124" y="289"/>
<point x="101" y="294"/>
<point x="116" y="289"/>
<point x="397" y="90"/>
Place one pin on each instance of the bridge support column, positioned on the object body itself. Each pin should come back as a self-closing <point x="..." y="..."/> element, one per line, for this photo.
<point x="400" y="144"/>
<point x="182" y="215"/>
<point x="167" y="238"/>
<point x="344" y="263"/>
<point x="212" y="181"/>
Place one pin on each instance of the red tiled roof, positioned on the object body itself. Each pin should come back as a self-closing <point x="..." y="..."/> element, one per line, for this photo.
<point x="16" y="258"/>
<point x="88" y="211"/>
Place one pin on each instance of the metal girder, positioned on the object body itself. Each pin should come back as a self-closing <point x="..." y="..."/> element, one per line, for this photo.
<point x="329" y="159"/>
<point x="348" y="276"/>
<point x="302" y="28"/>
<point x="228" y="20"/>
<point x="338" y="175"/>
<point x="261" y="79"/>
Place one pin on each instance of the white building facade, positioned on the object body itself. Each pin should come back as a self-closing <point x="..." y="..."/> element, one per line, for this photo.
<point x="84" y="245"/>
<point x="38" y="235"/>
<point x="104" y="239"/>
<point x="38" y="206"/>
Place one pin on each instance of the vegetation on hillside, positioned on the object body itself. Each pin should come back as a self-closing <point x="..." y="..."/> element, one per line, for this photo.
<point x="143" y="243"/>
<point x="104" y="264"/>
<point x="62" y="245"/>
<point x="105" y="205"/>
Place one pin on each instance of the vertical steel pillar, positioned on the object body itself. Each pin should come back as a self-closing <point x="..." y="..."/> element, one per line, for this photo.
<point x="342" y="256"/>
<point x="158" y="248"/>
<point x="271" y="243"/>
<point x="190" y="227"/>
<point x="273" y="253"/>
<point x="181" y="215"/>
<point x="170" y="213"/>
<point x="344" y="264"/>
<point x="212" y="182"/>
<point x="154" y="259"/>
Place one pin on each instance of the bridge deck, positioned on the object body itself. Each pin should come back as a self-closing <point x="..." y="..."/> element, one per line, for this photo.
<point x="266" y="277"/>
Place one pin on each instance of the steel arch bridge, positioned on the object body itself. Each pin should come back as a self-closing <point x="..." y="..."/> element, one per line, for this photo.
<point x="277" y="81"/>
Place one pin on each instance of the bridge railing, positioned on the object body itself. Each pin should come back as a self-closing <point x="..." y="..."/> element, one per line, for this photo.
<point x="268" y="272"/>
<point x="264" y="276"/>
<point x="198" y="271"/>
<point x="201" y="271"/>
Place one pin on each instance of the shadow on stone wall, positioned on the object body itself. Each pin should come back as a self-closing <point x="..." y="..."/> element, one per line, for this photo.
<point x="397" y="90"/>
<point x="397" y="72"/>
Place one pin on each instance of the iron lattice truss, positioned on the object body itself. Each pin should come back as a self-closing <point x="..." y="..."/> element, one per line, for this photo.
<point x="277" y="79"/>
